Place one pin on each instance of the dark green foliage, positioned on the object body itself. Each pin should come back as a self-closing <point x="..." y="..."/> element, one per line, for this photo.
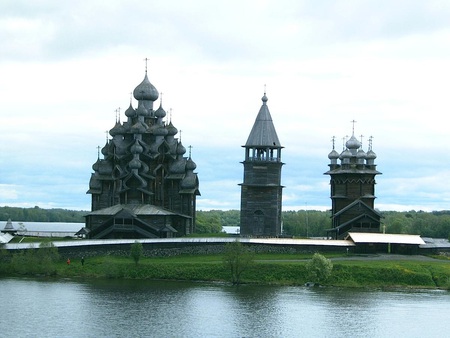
<point x="212" y="221"/>
<point x="41" y="261"/>
<point x="237" y="259"/>
<point x="37" y="214"/>
<point x="136" y="251"/>
<point x="306" y="223"/>
<point x="434" y="224"/>
<point x="208" y="222"/>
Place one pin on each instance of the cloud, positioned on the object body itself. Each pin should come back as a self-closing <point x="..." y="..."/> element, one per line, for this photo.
<point x="66" y="68"/>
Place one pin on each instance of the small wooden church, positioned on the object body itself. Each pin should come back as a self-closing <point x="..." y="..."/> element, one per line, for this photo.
<point x="352" y="181"/>
<point x="144" y="185"/>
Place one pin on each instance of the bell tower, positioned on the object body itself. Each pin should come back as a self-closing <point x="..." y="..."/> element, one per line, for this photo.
<point x="261" y="191"/>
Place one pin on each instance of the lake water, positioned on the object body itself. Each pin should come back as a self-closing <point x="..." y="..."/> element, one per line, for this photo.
<point x="127" y="308"/>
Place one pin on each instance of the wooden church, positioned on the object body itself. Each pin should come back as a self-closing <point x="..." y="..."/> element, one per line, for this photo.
<point x="144" y="186"/>
<point x="352" y="181"/>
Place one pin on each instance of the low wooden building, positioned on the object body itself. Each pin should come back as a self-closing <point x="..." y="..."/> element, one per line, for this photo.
<point x="136" y="221"/>
<point x="385" y="243"/>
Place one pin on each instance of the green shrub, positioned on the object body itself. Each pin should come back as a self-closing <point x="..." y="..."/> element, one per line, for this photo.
<point x="136" y="251"/>
<point x="319" y="268"/>
<point x="238" y="259"/>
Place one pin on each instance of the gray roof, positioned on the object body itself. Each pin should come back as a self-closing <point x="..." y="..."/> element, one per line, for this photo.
<point x="5" y="238"/>
<point x="9" y="225"/>
<point x="263" y="132"/>
<point x="137" y="209"/>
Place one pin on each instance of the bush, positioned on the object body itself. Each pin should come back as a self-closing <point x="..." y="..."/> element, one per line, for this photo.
<point x="319" y="268"/>
<point x="238" y="259"/>
<point x="136" y="251"/>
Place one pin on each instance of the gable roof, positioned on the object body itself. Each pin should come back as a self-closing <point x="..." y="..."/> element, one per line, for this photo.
<point x="355" y="203"/>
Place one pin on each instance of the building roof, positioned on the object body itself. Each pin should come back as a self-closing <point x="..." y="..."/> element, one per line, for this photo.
<point x="5" y="238"/>
<point x="263" y="132"/>
<point x="365" y="237"/>
<point x="136" y="209"/>
<point x="9" y="226"/>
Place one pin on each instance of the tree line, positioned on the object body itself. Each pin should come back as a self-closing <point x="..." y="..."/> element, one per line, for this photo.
<point x="314" y="223"/>
<point x="37" y="214"/>
<point x="299" y="223"/>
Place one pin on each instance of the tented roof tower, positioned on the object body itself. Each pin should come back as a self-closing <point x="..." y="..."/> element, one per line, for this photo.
<point x="261" y="191"/>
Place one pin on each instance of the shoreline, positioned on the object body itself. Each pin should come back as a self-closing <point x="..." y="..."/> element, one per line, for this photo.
<point x="355" y="271"/>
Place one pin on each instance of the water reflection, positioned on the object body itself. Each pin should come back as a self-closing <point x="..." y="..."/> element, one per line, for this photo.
<point x="128" y="308"/>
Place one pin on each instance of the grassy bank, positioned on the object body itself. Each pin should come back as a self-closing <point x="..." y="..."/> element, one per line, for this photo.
<point x="275" y="269"/>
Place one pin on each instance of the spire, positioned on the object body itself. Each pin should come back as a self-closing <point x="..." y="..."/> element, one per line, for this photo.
<point x="263" y="132"/>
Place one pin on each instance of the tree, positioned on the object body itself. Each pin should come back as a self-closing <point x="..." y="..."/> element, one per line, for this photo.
<point x="136" y="251"/>
<point x="238" y="259"/>
<point x="319" y="268"/>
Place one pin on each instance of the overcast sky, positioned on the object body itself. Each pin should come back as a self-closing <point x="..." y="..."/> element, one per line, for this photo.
<point x="67" y="66"/>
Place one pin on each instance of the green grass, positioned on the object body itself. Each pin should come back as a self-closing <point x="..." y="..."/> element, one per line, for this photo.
<point x="270" y="269"/>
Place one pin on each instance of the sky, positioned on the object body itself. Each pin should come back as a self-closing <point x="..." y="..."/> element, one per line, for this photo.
<point x="66" y="67"/>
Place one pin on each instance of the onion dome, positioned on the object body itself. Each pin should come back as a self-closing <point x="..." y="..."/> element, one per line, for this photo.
<point x="96" y="165"/>
<point x="130" y="112"/>
<point x="142" y="111"/>
<point x="190" y="165"/>
<point x="135" y="163"/>
<point x="136" y="148"/>
<point x="105" y="149"/>
<point x="371" y="155"/>
<point x="353" y="143"/>
<point x="95" y="185"/>
<point x="333" y="155"/>
<point x="361" y="154"/>
<point x="160" y="112"/>
<point x="345" y="154"/>
<point x="181" y="150"/>
<point x="189" y="181"/>
<point x="158" y="130"/>
<point x="171" y="130"/>
<point x="145" y="91"/>
<point x="117" y="129"/>
<point x="105" y="168"/>
<point x="264" y="98"/>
